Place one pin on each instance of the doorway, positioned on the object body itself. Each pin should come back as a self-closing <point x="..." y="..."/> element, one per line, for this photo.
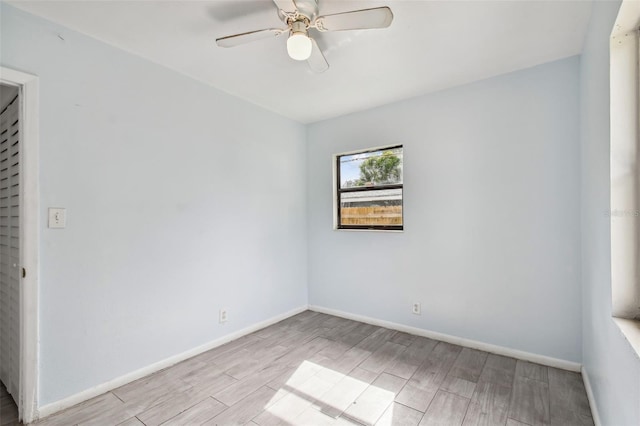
<point x="19" y="242"/>
<point x="10" y="243"/>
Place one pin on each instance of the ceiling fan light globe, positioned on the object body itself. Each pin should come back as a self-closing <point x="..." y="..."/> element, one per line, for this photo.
<point x="299" y="46"/>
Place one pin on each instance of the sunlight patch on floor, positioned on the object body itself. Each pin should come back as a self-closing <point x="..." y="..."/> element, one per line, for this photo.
<point x="320" y="394"/>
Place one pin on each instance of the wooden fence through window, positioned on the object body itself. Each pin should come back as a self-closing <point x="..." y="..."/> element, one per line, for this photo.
<point x="376" y="215"/>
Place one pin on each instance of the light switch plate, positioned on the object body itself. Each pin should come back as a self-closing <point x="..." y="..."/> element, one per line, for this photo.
<point x="57" y="217"/>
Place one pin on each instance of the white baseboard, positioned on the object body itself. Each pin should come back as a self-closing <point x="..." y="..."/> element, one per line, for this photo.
<point x="87" y="394"/>
<point x="487" y="347"/>
<point x="592" y="399"/>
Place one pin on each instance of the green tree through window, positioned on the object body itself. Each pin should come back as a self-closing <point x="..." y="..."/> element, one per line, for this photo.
<point x="380" y="170"/>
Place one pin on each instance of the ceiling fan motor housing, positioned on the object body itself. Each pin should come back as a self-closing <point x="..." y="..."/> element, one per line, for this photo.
<point x="307" y="8"/>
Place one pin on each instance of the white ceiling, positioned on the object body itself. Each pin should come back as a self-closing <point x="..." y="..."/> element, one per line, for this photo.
<point x="430" y="45"/>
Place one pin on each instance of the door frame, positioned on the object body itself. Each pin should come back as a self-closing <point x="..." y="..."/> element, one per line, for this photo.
<point x="28" y="86"/>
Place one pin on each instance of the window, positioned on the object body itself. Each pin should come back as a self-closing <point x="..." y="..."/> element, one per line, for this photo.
<point x="369" y="189"/>
<point x="624" y="214"/>
<point x="625" y="145"/>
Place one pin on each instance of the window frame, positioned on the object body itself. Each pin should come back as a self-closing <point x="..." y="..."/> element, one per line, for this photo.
<point x="623" y="213"/>
<point x="337" y="191"/>
<point x="624" y="57"/>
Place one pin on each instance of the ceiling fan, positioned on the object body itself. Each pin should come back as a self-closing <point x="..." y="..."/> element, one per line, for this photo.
<point x="302" y="15"/>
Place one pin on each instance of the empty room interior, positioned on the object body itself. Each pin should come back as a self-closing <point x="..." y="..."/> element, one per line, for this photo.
<point x="204" y="217"/>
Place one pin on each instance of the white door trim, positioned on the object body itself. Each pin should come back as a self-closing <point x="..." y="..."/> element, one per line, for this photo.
<point x="29" y="239"/>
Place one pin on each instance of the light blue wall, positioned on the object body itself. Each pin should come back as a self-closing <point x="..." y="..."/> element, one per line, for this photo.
<point x="181" y="200"/>
<point x="491" y="209"/>
<point x="612" y="366"/>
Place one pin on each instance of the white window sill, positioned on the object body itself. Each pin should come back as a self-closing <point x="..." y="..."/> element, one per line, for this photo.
<point x="631" y="331"/>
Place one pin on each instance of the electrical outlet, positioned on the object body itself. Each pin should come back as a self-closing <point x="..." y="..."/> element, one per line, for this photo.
<point x="416" y="308"/>
<point x="223" y="316"/>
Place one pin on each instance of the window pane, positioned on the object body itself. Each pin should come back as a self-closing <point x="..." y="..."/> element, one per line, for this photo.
<point x="382" y="167"/>
<point x="381" y="207"/>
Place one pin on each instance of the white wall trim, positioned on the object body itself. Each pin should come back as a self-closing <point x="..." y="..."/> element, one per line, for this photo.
<point x="87" y="394"/>
<point x="474" y="344"/>
<point x="591" y="397"/>
<point x="28" y="86"/>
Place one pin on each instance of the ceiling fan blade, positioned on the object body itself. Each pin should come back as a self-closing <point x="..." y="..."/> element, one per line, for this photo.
<point x="378" y="17"/>
<point x="238" y="39"/>
<point x="286" y="5"/>
<point x="317" y="62"/>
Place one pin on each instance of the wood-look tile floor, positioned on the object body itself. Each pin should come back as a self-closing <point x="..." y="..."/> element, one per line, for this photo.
<point x="8" y="409"/>
<point x="317" y="369"/>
